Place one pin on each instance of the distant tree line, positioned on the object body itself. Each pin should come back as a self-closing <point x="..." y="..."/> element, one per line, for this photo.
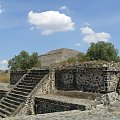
<point x="104" y="51"/>
<point x="24" y="61"/>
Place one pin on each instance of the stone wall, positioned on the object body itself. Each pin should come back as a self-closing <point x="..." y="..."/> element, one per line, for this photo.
<point x="48" y="84"/>
<point x="84" y="77"/>
<point x="16" y="75"/>
<point x="102" y="79"/>
<point x="43" y="106"/>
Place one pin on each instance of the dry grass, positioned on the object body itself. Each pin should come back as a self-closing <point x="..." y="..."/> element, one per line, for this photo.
<point x="4" y="78"/>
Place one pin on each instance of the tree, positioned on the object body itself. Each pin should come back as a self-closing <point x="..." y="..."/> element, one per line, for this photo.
<point x="24" y="61"/>
<point x="34" y="61"/>
<point x="81" y="57"/>
<point x="102" y="51"/>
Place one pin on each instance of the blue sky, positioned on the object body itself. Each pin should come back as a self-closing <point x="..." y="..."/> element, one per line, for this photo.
<point x="44" y="25"/>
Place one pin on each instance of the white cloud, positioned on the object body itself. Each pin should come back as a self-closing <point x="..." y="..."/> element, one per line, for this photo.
<point x="63" y="7"/>
<point x="86" y="31"/>
<point x="50" y="21"/>
<point x="3" y="65"/>
<point x="77" y="44"/>
<point x="1" y="9"/>
<point x="89" y="35"/>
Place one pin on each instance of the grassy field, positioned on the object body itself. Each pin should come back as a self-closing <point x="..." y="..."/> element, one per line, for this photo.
<point x="4" y="78"/>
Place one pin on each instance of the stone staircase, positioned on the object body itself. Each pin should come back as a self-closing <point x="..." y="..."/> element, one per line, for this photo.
<point x="15" y="99"/>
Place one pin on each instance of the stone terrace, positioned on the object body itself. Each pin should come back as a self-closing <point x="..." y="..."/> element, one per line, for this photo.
<point x="109" y="72"/>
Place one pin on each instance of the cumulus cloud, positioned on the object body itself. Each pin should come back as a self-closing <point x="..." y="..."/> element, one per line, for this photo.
<point x="86" y="30"/>
<point x="3" y="65"/>
<point x="50" y="21"/>
<point x="89" y="35"/>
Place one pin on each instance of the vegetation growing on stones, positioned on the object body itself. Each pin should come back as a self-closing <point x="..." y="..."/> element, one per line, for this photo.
<point x="24" y="61"/>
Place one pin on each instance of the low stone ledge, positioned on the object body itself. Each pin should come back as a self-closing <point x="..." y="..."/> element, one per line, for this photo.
<point x="96" y="114"/>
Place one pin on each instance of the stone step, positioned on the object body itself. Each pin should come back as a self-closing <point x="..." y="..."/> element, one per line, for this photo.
<point x="39" y="71"/>
<point x="3" y="115"/>
<point x="7" y="108"/>
<point x="17" y="95"/>
<point x="3" y="111"/>
<point x="27" y="84"/>
<point x="22" y="89"/>
<point x="15" y="98"/>
<point x="20" y="92"/>
<point x="23" y="86"/>
<point x="9" y="104"/>
<point x="35" y="76"/>
<point x="28" y="78"/>
<point x="12" y="101"/>
<point x="30" y="81"/>
<point x="35" y="80"/>
<point x="38" y="74"/>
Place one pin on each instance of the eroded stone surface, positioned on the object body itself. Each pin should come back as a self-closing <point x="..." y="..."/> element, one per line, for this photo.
<point x="95" y="114"/>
